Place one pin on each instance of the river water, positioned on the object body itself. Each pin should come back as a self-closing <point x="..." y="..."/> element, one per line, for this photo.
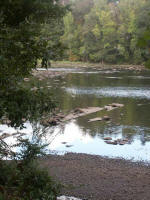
<point x="80" y="88"/>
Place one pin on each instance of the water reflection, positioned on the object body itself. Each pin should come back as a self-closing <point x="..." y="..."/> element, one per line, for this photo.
<point x="85" y="143"/>
<point x="73" y="138"/>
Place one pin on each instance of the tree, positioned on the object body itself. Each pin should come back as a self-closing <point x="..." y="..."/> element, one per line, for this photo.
<point x="25" y="41"/>
<point x="143" y="24"/>
<point x="22" y="38"/>
<point x="107" y="31"/>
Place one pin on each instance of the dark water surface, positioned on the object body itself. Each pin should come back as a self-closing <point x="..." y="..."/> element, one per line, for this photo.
<point x="92" y="87"/>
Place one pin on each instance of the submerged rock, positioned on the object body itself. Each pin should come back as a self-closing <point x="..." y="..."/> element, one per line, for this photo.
<point x="69" y="146"/>
<point x="115" y="142"/>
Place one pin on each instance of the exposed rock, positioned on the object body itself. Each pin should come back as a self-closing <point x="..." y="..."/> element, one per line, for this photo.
<point x="82" y="112"/>
<point x="118" y="141"/>
<point x="34" y="89"/>
<point x="106" y="118"/>
<point x="113" y="106"/>
<point x="117" y="105"/>
<point x="107" y="138"/>
<point x="26" y="79"/>
<point x="111" y="142"/>
<point x="125" y="140"/>
<point x="109" y="108"/>
<point x="95" y="119"/>
<point x="50" y="121"/>
<point x="122" y="143"/>
<point x="79" y="112"/>
<point x="67" y="198"/>
<point x="60" y="115"/>
<point x="64" y="142"/>
<point x="42" y="74"/>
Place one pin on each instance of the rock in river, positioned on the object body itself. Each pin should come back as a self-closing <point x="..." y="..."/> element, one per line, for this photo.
<point x="107" y="138"/>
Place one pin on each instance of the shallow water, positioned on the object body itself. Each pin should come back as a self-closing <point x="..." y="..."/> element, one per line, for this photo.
<point x="130" y="92"/>
<point x="93" y="87"/>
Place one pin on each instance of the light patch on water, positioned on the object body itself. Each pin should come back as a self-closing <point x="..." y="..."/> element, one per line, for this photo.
<point x="93" y="72"/>
<point x="139" y="77"/>
<point x="113" y="77"/>
<point x="12" y="139"/>
<point x="84" y="72"/>
<point x="72" y="138"/>
<point x="81" y="142"/>
<point x="132" y="92"/>
<point x="70" y="134"/>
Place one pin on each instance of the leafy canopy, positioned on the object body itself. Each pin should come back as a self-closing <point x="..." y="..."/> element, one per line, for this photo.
<point x="21" y="38"/>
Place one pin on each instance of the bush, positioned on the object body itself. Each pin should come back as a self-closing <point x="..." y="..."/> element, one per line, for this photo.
<point x="23" y="179"/>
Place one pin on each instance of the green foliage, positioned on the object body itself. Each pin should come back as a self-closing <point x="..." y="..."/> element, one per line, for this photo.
<point x="106" y="31"/>
<point x="22" y="179"/>
<point x="144" y="43"/>
<point x="22" y="104"/>
<point x="23" y="38"/>
<point x="30" y="31"/>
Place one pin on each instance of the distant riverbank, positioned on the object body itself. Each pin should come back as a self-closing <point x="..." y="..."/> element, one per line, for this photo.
<point x="96" y="65"/>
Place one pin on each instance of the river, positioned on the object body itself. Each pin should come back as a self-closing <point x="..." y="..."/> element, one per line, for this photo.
<point x="86" y="87"/>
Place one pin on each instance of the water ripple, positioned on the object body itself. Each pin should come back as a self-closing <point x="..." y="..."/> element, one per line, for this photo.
<point x="131" y="92"/>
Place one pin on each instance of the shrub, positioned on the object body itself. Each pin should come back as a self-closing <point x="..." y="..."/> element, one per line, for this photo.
<point x="22" y="178"/>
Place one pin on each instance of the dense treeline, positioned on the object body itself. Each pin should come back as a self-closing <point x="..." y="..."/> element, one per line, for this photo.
<point x="106" y="31"/>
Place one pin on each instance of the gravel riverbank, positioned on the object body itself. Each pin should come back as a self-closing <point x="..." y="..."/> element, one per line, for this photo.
<point x="98" y="178"/>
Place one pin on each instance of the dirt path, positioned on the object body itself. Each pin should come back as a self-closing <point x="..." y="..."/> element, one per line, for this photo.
<point x="97" y="178"/>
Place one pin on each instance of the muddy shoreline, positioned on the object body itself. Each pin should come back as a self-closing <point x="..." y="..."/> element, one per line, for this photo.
<point x="99" y="178"/>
